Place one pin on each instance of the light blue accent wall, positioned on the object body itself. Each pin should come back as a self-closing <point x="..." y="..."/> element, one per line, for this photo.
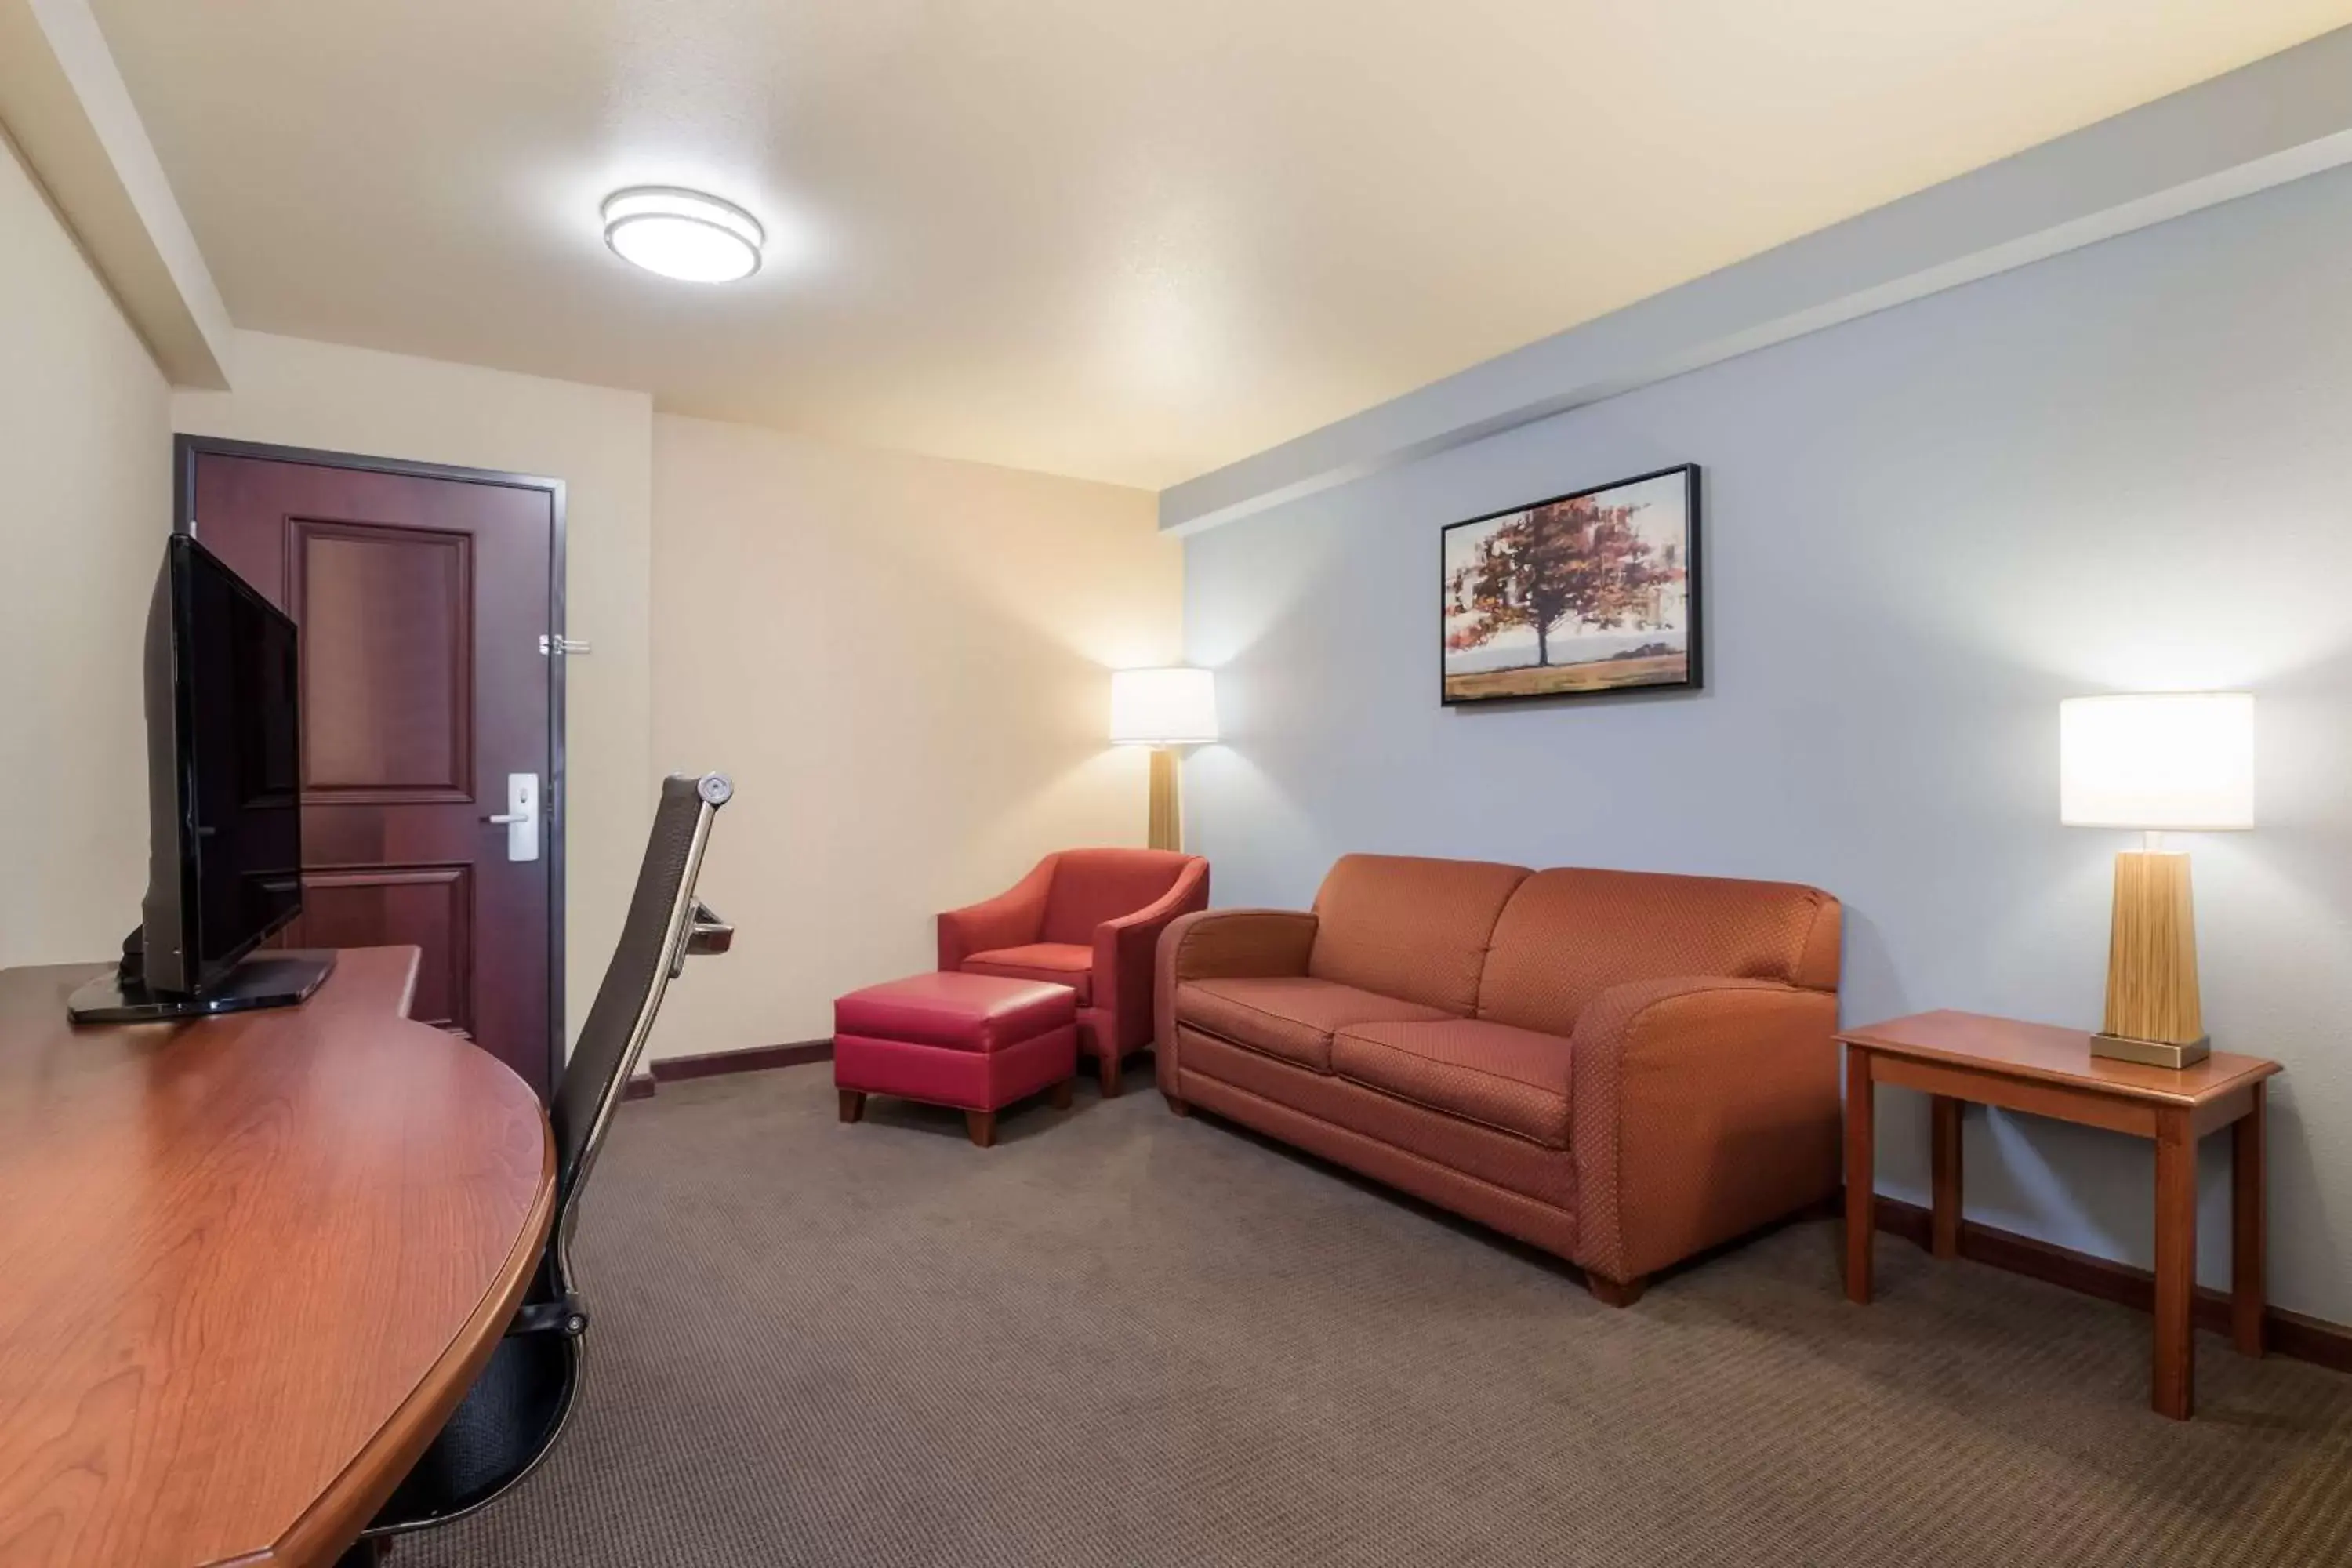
<point x="2128" y="468"/>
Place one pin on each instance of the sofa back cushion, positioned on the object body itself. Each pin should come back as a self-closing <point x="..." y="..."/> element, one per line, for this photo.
<point x="1091" y="886"/>
<point x="1567" y="935"/>
<point x="1410" y="928"/>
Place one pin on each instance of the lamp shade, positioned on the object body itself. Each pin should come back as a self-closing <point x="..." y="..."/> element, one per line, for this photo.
<point x="2180" y="762"/>
<point x="1176" y="707"/>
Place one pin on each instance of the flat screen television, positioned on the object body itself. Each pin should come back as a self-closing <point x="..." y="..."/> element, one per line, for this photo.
<point x="224" y="803"/>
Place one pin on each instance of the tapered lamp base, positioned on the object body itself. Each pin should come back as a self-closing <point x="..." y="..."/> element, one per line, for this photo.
<point x="2155" y="1014"/>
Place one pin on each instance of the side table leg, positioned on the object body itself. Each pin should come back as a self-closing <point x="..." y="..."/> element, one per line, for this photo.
<point x="1861" y="1133"/>
<point x="1943" y="1142"/>
<point x="2249" y="1227"/>
<point x="2174" y="1382"/>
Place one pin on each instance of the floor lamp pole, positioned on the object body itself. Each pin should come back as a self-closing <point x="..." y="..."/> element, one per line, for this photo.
<point x="1166" y="827"/>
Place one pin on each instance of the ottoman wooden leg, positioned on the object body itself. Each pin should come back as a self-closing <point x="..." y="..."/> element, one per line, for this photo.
<point x="853" y="1105"/>
<point x="1058" y="1097"/>
<point x="1615" y="1293"/>
<point x="982" y="1126"/>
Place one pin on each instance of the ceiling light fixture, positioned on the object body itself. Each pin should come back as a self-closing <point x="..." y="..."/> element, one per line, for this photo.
<point x="683" y="234"/>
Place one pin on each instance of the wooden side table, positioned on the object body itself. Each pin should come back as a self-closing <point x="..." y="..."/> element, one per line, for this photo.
<point x="1961" y="1059"/>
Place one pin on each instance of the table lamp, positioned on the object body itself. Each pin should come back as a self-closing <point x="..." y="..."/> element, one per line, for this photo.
<point x="1163" y="709"/>
<point x="2168" y="762"/>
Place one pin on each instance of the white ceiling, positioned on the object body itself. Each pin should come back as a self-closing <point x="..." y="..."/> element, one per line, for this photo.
<point x="1125" y="239"/>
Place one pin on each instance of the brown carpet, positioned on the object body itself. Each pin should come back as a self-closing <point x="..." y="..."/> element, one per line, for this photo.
<point x="1123" y="1338"/>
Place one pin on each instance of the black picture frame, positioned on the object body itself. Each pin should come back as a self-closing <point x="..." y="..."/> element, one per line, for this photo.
<point x="1694" y="677"/>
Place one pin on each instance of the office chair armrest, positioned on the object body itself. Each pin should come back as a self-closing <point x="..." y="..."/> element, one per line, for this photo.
<point x="705" y="933"/>
<point x="567" y="1314"/>
<point x="709" y="932"/>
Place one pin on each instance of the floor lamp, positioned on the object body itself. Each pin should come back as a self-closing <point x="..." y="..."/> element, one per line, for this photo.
<point x="2161" y="763"/>
<point x="1163" y="709"/>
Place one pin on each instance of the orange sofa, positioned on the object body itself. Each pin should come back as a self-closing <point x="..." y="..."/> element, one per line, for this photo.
<point x="1619" y="1068"/>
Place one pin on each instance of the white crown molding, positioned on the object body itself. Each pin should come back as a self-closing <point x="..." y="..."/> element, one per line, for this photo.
<point x="2277" y="120"/>
<point x="64" y="105"/>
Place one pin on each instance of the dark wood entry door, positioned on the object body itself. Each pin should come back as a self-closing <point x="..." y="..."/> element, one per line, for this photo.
<point x="424" y="598"/>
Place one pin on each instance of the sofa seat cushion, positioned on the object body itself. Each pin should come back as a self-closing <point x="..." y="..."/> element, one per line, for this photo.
<point x="1513" y="1080"/>
<point x="1286" y="1015"/>
<point x="1066" y="964"/>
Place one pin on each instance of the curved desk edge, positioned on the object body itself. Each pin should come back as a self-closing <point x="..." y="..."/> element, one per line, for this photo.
<point x="330" y="1524"/>
<point x="334" y="1521"/>
<point x="161" y="1402"/>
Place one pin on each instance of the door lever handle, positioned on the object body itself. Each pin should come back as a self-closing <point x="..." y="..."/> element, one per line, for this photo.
<point x="521" y="818"/>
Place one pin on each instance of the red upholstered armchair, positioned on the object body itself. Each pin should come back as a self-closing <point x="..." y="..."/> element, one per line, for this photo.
<point x="1089" y="920"/>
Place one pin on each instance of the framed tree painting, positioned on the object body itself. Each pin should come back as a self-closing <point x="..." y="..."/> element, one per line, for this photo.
<point x="1593" y="591"/>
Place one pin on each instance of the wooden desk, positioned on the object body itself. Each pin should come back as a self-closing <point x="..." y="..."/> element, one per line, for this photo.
<point x="248" y="1266"/>
<point x="1959" y="1058"/>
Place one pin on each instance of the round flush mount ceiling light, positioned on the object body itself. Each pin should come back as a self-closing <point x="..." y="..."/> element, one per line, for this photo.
<point x="683" y="234"/>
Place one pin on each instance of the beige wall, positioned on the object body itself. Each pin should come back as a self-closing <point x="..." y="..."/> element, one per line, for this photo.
<point x="84" y="468"/>
<point x="902" y="660"/>
<point x="903" y="663"/>
<point x="599" y="442"/>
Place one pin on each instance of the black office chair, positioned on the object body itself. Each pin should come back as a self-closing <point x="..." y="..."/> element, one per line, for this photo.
<point x="516" y="1408"/>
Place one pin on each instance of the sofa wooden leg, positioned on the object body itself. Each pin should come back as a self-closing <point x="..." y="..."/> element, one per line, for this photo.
<point x="853" y="1105"/>
<point x="1058" y="1097"/>
<point x="1615" y="1293"/>
<point x="982" y="1126"/>
<point x="1109" y="1063"/>
<point x="1177" y="1106"/>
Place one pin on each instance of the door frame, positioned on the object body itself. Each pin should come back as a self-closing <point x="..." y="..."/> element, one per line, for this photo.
<point x="187" y="450"/>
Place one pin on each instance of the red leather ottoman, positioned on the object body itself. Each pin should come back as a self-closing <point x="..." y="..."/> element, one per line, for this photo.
<point x="975" y="1041"/>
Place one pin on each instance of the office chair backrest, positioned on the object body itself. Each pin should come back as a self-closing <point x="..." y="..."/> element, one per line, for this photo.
<point x="664" y="924"/>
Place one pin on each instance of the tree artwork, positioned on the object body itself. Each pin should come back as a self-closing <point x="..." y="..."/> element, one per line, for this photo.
<point x="1576" y="561"/>
<point x="1581" y="593"/>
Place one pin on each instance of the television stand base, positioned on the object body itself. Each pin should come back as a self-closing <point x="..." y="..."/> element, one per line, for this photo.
<point x="264" y="980"/>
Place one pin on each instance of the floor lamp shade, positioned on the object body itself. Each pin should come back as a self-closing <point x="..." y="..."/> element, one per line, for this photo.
<point x="2160" y="763"/>
<point x="1175" y="706"/>
<point x="1163" y="709"/>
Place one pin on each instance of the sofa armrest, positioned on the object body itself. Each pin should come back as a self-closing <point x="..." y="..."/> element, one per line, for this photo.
<point x="1230" y="943"/>
<point x="1699" y="1108"/>
<point x="1011" y="918"/>
<point x="1226" y="943"/>
<point x="1124" y="951"/>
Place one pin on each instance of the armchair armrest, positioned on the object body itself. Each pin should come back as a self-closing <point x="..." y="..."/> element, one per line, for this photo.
<point x="1699" y="1108"/>
<point x="1124" y="951"/>
<point x="1011" y="918"/>
<point x="1222" y="942"/>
